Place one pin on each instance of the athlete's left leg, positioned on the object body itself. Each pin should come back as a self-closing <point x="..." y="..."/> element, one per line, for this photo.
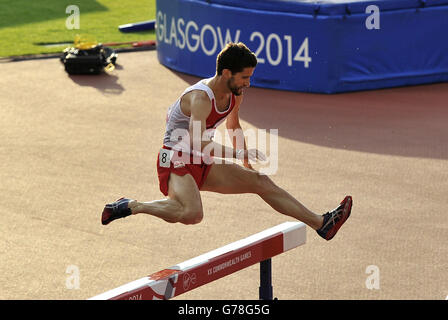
<point x="234" y="179"/>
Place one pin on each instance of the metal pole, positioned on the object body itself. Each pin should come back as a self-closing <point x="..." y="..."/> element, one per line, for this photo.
<point x="266" y="292"/>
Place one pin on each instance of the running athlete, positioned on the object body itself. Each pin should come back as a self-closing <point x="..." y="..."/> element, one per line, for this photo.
<point x="186" y="166"/>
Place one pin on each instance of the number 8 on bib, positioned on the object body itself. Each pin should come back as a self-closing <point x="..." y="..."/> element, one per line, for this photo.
<point x="165" y="158"/>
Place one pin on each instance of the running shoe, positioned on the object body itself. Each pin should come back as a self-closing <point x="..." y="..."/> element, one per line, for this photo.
<point x="334" y="219"/>
<point x="118" y="209"/>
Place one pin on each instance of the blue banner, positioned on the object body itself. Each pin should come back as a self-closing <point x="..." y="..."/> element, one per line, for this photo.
<point x="327" y="47"/>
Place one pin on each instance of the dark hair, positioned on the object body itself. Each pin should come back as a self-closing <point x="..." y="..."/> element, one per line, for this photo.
<point x="235" y="57"/>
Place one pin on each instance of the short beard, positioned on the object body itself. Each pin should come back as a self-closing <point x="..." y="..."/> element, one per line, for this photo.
<point x="233" y="89"/>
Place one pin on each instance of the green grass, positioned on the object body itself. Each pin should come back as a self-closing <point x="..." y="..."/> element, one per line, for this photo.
<point x="24" y="23"/>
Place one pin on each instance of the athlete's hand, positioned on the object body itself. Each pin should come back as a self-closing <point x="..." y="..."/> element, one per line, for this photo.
<point x="251" y="155"/>
<point x="255" y="155"/>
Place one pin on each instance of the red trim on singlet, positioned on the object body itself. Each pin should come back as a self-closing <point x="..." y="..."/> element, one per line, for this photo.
<point x="214" y="117"/>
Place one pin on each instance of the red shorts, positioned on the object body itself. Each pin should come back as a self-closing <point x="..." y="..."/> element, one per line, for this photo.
<point x="181" y="165"/>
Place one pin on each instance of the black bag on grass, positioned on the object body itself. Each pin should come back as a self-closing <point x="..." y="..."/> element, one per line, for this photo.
<point x="89" y="61"/>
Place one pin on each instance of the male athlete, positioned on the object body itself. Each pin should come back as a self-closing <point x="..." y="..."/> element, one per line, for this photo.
<point x="185" y="163"/>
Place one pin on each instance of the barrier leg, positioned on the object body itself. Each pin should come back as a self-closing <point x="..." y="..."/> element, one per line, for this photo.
<point x="266" y="292"/>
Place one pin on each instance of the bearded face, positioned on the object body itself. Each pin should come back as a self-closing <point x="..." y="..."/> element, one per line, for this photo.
<point x="233" y="87"/>
<point x="238" y="81"/>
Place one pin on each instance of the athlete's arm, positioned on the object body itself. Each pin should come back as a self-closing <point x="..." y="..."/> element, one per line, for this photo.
<point x="236" y="133"/>
<point x="198" y="106"/>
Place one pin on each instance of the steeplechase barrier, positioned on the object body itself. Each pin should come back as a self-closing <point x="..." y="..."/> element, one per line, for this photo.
<point x="196" y="272"/>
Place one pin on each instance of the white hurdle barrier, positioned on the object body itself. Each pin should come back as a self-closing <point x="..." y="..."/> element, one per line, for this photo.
<point x="193" y="273"/>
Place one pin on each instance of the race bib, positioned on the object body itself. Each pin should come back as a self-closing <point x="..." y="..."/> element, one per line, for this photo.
<point x="165" y="157"/>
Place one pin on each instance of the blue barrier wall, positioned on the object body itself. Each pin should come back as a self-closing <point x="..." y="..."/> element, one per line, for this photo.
<point x="321" y="46"/>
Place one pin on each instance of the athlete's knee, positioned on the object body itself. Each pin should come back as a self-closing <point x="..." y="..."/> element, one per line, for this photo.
<point x="263" y="184"/>
<point x="191" y="216"/>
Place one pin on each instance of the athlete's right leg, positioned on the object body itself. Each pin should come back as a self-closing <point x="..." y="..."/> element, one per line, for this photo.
<point x="183" y="204"/>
